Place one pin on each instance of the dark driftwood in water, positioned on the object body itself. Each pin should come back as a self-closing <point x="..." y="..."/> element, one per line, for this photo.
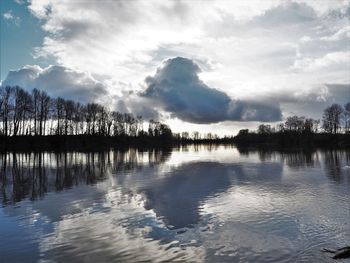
<point x="340" y="253"/>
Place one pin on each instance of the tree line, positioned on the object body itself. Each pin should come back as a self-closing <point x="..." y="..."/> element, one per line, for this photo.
<point x="36" y="113"/>
<point x="298" y="131"/>
<point x="335" y="119"/>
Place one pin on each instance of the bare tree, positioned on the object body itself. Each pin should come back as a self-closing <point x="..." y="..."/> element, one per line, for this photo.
<point x="35" y="112"/>
<point x="347" y="117"/>
<point x="294" y="123"/>
<point x="195" y="135"/>
<point x="185" y="135"/>
<point x="332" y="117"/>
<point x="92" y="114"/>
<point x="21" y="109"/>
<point x="23" y="113"/>
<point x="68" y="116"/>
<point x="6" y="108"/>
<point x="59" y="114"/>
<point x="45" y="103"/>
<point x="264" y="129"/>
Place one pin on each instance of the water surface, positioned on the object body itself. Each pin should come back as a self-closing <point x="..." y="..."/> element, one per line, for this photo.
<point x="197" y="204"/>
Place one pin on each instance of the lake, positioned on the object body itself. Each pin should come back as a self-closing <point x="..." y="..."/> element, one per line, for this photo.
<point x="193" y="203"/>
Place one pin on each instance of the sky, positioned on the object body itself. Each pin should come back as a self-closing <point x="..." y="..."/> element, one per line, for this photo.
<point x="210" y="66"/>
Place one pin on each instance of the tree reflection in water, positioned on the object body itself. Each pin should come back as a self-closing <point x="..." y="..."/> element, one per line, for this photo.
<point x="34" y="174"/>
<point x="31" y="175"/>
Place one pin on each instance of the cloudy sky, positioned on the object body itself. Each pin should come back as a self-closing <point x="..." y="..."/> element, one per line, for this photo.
<point x="197" y="65"/>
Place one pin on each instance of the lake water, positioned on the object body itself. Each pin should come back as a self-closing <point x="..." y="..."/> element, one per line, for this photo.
<point x="197" y="204"/>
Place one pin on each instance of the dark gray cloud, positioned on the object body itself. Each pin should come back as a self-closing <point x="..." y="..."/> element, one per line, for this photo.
<point x="177" y="88"/>
<point x="57" y="81"/>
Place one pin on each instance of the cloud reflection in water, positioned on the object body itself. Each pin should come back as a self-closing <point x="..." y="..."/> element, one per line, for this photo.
<point x="184" y="205"/>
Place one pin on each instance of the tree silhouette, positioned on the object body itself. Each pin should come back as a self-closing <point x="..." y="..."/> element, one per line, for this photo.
<point x="332" y="117"/>
<point x="36" y="114"/>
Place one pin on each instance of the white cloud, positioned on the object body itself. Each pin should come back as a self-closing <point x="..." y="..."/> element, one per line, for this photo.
<point x="11" y="18"/>
<point x="337" y="60"/>
<point x="128" y="37"/>
<point x="20" y="2"/>
<point x="246" y="48"/>
<point x="343" y="32"/>
<point x="58" y="81"/>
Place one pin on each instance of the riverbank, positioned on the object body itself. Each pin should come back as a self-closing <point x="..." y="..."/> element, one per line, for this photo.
<point x="95" y="142"/>
<point x="293" y="139"/>
<point x="77" y="142"/>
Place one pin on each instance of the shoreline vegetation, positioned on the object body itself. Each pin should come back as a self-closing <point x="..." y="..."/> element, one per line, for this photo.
<point x="275" y="141"/>
<point x="33" y="121"/>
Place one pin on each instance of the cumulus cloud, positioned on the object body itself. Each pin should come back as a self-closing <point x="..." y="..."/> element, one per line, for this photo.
<point x="177" y="88"/>
<point x="58" y="81"/>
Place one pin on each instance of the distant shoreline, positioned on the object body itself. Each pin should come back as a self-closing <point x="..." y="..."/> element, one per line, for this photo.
<point x="96" y="142"/>
<point x="295" y="139"/>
